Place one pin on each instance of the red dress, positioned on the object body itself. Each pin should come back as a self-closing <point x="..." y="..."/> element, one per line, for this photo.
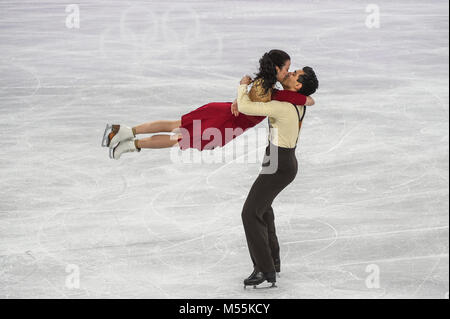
<point x="200" y="128"/>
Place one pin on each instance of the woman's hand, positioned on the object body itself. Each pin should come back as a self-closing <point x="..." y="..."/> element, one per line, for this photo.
<point x="246" y="80"/>
<point x="234" y="108"/>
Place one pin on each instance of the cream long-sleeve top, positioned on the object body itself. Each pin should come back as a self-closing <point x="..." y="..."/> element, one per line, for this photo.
<point x="283" y="117"/>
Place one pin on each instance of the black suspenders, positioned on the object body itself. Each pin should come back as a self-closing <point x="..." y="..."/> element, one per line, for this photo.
<point x="300" y="120"/>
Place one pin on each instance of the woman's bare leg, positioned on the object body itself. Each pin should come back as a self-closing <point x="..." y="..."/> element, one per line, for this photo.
<point x="156" y="127"/>
<point x="157" y="141"/>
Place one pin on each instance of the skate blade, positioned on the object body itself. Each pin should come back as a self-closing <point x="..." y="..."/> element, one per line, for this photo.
<point x="105" y="140"/>
<point x="265" y="285"/>
<point x="111" y="152"/>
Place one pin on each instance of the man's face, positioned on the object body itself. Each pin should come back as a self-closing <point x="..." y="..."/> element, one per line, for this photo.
<point x="290" y="82"/>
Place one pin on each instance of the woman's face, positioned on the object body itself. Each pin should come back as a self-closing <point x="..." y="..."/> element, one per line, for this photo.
<point x="283" y="72"/>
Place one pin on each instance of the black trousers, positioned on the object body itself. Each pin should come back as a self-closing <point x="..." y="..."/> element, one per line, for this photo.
<point x="257" y="214"/>
<point x="269" y="219"/>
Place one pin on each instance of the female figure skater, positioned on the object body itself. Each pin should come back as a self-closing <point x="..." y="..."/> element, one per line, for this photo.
<point x="274" y="66"/>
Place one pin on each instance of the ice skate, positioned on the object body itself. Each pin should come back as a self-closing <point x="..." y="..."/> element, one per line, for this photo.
<point x="123" y="147"/>
<point x="257" y="278"/>
<point x="252" y="276"/>
<point x="115" y="133"/>
<point x="109" y="133"/>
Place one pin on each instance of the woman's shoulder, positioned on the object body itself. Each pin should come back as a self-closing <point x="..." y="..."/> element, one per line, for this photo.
<point x="257" y="92"/>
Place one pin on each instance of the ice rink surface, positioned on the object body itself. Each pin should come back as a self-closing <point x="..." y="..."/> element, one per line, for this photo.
<point x="367" y="216"/>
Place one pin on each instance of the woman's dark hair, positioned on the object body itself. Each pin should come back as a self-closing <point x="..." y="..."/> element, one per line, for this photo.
<point x="309" y="81"/>
<point x="267" y="71"/>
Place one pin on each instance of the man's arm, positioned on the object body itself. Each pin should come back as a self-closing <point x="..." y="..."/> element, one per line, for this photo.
<point x="292" y="97"/>
<point x="309" y="101"/>
<point x="246" y="106"/>
<point x="289" y="96"/>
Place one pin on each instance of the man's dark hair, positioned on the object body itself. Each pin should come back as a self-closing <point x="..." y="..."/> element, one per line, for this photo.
<point x="309" y="81"/>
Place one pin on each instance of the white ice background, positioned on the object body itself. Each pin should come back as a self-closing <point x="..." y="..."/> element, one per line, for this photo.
<point x="371" y="197"/>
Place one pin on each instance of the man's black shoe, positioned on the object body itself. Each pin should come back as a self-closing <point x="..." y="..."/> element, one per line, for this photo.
<point x="257" y="278"/>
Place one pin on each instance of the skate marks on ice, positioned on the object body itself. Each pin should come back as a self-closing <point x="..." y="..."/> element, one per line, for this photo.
<point x="372" y="189"/>
<point x="408" y="267"/>
<point x="319" y="248"/>
<point x="18" y="81"/>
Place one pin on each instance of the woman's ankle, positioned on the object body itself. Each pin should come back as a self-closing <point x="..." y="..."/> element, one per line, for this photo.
<point x="136" y="144"/>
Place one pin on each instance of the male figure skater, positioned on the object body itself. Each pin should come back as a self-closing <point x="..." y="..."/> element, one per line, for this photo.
<point x="257" y="214"/>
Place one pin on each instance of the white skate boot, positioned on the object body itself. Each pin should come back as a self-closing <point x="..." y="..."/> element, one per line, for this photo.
<point x="115" y="134"/>
<point x="123" y="147"/>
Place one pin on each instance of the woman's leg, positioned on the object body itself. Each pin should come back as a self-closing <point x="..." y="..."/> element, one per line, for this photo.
<point x="157" y="141"/>
<point x="156" y="127"/>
